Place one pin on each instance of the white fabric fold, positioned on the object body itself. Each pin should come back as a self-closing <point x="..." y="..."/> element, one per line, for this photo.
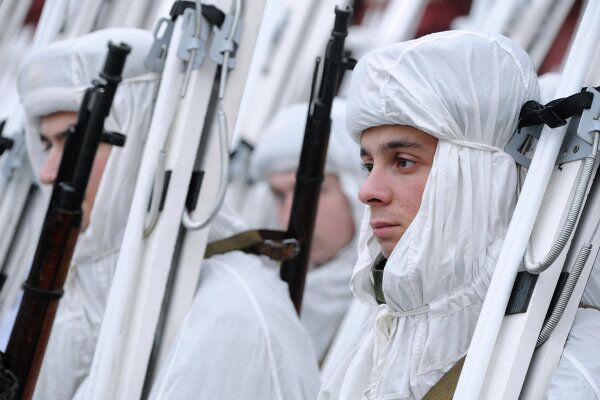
<point x="578" y="373"/>
<point x="241" y="338"/>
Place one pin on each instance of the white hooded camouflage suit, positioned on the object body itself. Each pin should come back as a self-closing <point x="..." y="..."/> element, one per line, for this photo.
<point x="466" y="89"/>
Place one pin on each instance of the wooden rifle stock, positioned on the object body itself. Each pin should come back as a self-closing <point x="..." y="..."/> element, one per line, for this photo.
<point x="44" y="286"/>
<point x="42" y="291"/>
<point x="313" y="155"/>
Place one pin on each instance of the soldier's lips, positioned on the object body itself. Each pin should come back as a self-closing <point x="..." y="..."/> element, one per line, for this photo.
<point x="383" y="229"/>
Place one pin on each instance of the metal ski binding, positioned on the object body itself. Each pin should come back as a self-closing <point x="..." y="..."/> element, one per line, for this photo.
<point x="584" y="111"/>
<point x="192" y="46"/>
<point x="163" y="31"/>
<point x="226" y="39"/>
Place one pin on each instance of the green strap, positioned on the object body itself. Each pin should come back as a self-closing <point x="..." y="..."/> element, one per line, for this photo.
<point x="378" y="285"/>
<point x="377" y="274"/>
<point x="274" y="244"/>
<point x="581" y="305"/>
<point x="236" y="242"/>
<point x="444" y="389"/>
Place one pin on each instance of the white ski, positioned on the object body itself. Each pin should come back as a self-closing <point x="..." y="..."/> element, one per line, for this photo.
<point x="126" y="337"/>
<point x="501" y="347"/>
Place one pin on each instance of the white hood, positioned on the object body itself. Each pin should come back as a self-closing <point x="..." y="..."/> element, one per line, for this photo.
<point x="54" y="79"/>
<point x="466" y="89"/>
<point x="327" y="290"/>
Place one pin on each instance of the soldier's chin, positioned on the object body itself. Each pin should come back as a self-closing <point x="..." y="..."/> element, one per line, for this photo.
<point x="387" y="246"/>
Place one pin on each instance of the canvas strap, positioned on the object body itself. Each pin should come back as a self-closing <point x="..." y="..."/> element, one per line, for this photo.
<point x="274" y="244"/>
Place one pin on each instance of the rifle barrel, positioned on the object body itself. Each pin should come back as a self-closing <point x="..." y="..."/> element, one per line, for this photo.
<point x="309" y="175"/>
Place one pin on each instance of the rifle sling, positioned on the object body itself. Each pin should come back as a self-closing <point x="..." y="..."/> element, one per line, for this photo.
<point x="444" y="388"/>
<point x="589" y="306"/>
<point x="274" y="244"/>
<point x="50" y="294"/>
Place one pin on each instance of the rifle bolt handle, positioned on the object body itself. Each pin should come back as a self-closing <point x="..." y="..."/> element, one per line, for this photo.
<point x="113" y="138"/>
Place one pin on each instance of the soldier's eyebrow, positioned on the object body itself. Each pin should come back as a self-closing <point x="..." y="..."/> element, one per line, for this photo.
<point x="393" y="145"/>
<point x="399" y="144"/>
<point x="44" y="136"/>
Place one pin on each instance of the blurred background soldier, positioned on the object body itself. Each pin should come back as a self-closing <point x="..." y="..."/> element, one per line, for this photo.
<point x="327" y="292"/>
<point x="51" y="84"/>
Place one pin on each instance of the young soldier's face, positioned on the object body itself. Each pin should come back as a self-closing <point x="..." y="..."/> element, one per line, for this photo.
<point x="52" y="135"/>
<point x="334" y="226"/>
<point x="398" y="159"/>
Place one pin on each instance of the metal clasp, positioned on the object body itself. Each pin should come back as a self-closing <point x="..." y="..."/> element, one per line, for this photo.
<point x="222" y="43"/>
<point x="578" y="140"/>
<point x="163" y="32"/>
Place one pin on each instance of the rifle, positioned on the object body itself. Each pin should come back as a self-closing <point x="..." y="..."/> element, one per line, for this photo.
<point x="309" y="175"/>
<point x="44" y="286"/>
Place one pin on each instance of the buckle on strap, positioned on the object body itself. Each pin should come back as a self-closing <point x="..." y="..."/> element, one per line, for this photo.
<point x="551" y="118"/>
<point x="556" y="112"/>
<point x="583" y="108"/>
